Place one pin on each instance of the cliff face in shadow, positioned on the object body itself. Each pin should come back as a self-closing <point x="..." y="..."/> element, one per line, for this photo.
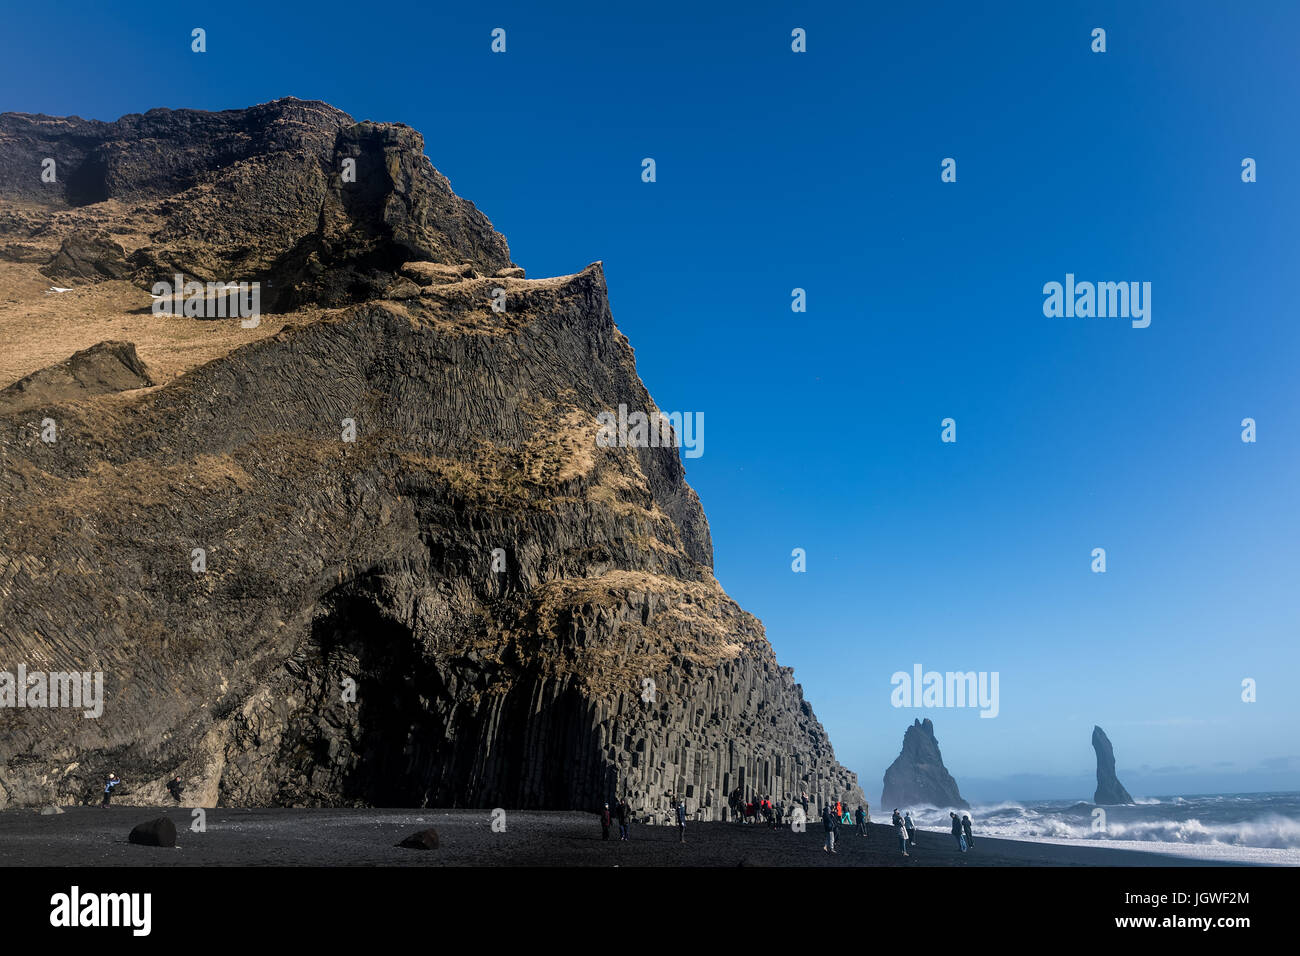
<point x="371" y="552"/>
<point x="917" y="776"/>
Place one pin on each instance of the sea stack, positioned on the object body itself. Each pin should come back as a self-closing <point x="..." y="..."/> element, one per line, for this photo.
<point x="918" y="776"/>
<point x="365" y="551"/>
<point x="1109" y="790"/>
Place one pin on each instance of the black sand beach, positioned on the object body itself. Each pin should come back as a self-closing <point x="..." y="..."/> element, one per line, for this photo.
<point x="89" y="836"/>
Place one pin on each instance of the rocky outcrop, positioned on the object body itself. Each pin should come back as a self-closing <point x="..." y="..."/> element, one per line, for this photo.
<point x="1109" y="790"/>
<point x="106" y="367"/>
<point x="918" y="777"/>
<point x="89" y="258"/>
<point x="377" y="558"/>
<point x="292" y="194"/>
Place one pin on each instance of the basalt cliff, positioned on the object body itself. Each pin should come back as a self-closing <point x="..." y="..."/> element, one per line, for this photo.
<point x="363" y="549"/>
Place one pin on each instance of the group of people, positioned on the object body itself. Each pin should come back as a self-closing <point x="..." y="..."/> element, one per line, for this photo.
<point x="907" y="831"/>
<point x="174" y="786"/>
<point x="837" y="813"/>
<point x="961" y="831"/>
<point x="623" y="813"/>
<point x="760" y="809"/>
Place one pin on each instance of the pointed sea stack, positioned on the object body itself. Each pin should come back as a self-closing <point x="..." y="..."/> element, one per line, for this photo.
<point x="1109" y="790"/>
<point x="918" y="776"/>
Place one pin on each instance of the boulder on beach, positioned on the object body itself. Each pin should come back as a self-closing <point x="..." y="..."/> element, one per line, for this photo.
<point x="1110" y="791"/>
<point x="424" y="840"/>
<point x="50" y="811"/>
<point x="160" y="832"/>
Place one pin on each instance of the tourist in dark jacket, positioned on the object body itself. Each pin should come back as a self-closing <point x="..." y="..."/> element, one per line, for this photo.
<point x="901" y="830"/>
<point x="174" y="787"/>
<point x="604" y="823"/>
<point x="965" y="829"/>
<point x="862" y="821"/>
<point x="957" y="834"/>
<point x="112" y="781"/>
<point x="830" y="821"/>
<point x="681" y="820"/>
<point x="911" y="828"/>
<point x="624" y="819"/>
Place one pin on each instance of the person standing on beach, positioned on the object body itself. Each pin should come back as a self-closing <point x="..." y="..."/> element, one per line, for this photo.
<point x="830" y="821"/>
<point x="957" y="834"/>
<point x="681" y="820"/>
<point x="862" y="821"/>
<point x="911" y="828"/>
<point x="112" y="781"/>
<point x="965" y="829"/>
<point x="624" y="819"/>
<point x="901" y="830"/>
<point x="605" y="823"/>
<point x="803" y="801"/>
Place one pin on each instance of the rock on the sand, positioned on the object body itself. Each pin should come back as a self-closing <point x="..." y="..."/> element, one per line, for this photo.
<point x="160" y="832"/>
<point x="424" y="840"/>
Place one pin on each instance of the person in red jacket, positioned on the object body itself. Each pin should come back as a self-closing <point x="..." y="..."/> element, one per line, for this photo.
<point x="604" y="823"/>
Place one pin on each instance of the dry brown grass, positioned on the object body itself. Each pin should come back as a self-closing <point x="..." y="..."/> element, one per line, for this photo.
<point x="40" y="329"/>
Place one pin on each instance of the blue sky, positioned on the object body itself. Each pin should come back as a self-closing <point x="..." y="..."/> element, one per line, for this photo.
<point x="822" y="171"/>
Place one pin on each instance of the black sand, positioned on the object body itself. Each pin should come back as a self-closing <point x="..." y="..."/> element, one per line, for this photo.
<point x="89" y="836"/>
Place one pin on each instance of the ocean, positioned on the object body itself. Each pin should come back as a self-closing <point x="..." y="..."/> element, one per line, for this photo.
<point x="1229" y="827"/>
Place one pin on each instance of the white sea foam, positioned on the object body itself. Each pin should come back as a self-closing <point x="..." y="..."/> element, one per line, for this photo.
<point x="1224" y="826"/>
<point x="1218" y="852"/>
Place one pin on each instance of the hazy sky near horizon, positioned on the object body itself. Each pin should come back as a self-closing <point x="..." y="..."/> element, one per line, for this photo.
<point x="821" y="171"/>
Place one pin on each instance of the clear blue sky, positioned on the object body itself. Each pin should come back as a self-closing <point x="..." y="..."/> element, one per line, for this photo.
<point x="821" y="171"/>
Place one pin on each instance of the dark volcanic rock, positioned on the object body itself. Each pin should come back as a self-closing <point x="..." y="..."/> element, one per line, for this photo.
<point x="160" y="832"/>
<point x="1109" y="790"/>
<point x="106" y="367"/>
<point x="293" y="194"/>
<point x="88" y="257"/>
<point x="424" y="840"/>
<point x="918" y="775"/>
<point x="470" y="604"/>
